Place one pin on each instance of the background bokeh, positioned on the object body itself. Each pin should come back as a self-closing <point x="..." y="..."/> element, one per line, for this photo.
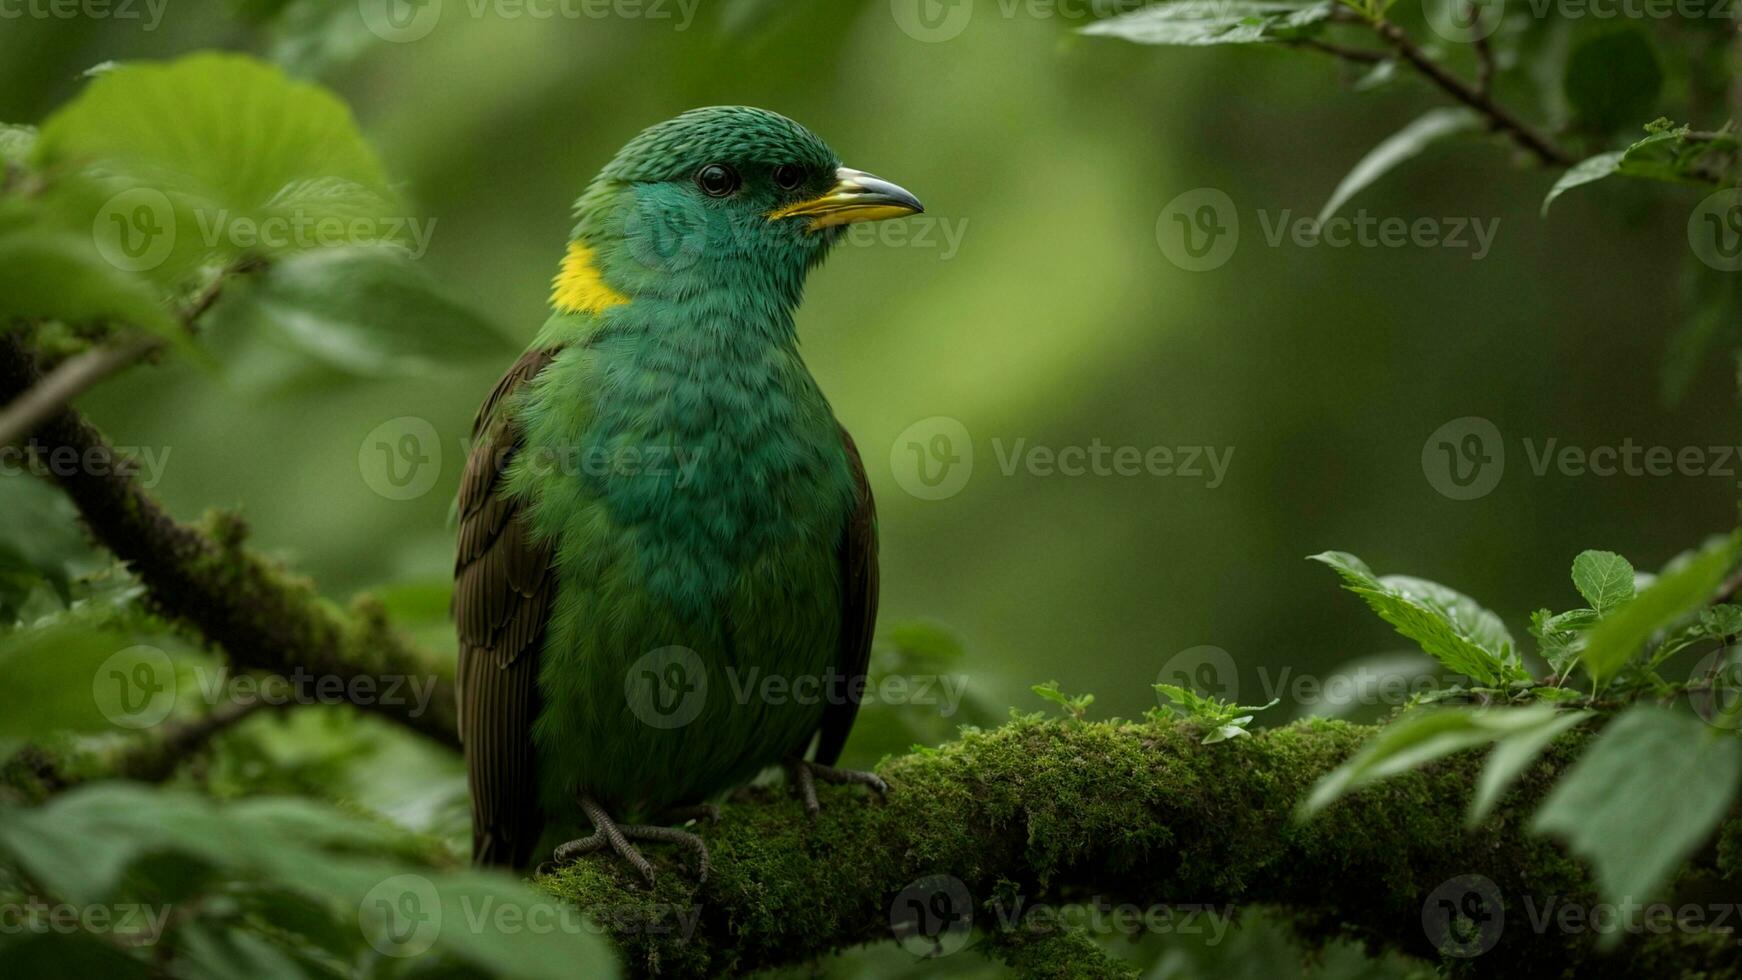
<point x="1054" y="317"/>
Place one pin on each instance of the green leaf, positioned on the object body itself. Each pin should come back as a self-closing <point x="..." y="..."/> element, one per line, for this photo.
<point x="1667" y="156"/>
<point x="50" y="272"/>
<point x="81" y="844"/>
<point x="1586" y="171"/>
<point x="1722" y="621"/>
<point x="213" y="156"/>
<point x="1408" y="142"/>
<point x="1604" y="578"/>
<point x="1622" y="634"/>
<point x="16" y="145"/>
<point x="1200" y="22"/>
<point x="1419" y="737"/>
<point x="1512" y="754"/>
<point x="1613" y="80"/>
<point x="1642" y="798"/>
<point x="368" y="311"/>
<point x="1450" y="626"/>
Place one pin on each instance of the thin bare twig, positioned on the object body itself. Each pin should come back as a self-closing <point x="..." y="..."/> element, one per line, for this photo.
<point x="79" y="374"/>
<point x="1499" y="118"/>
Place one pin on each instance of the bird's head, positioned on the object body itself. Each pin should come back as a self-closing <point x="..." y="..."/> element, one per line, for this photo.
<point x="727" y="197"/>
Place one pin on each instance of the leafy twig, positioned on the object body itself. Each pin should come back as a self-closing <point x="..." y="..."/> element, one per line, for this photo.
<point x="79" y="374"/>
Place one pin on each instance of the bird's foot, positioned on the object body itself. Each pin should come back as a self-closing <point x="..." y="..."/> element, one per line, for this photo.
<point x="804" y="776"/>
<point x="616" y="836"/>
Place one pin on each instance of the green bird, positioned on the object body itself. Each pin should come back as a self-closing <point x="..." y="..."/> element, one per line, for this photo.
<point x="660" y="514"/>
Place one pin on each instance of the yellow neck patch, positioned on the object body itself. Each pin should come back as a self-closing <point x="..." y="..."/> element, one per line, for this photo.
<point x="579" y="288"/>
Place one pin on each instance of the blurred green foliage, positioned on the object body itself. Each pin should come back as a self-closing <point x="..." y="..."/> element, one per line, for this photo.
<point x="1034" y="306"/>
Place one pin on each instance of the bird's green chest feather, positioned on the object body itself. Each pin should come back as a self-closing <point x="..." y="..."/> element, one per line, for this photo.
<point x="693" y="480"/>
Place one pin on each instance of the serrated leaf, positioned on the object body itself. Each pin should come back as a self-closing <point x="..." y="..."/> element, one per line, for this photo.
<point x="1511" y="756"/>
<point x="1201" y="22"/>
<point x="1620" y="636"/>
<point x="222" y="155"/>
<point x="1604" y="578"/>
<point x="50" y="272"/>
<point x="368" y="311"/>
<point x="1408" y="142"/>
<point x="1450" y="626"/>
<point x="1642" y="798"/>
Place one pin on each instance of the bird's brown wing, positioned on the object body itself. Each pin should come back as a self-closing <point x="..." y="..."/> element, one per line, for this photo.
<point x="502" y="591"/>
<point x="858" y="556"/>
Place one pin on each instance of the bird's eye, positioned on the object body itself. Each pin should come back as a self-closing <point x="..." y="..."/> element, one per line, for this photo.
<point x="717" y="180"/>
<point x="788" y="176"/>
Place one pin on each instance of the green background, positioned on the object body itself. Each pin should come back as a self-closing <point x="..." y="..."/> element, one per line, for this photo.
<point x="1057" y="320"/>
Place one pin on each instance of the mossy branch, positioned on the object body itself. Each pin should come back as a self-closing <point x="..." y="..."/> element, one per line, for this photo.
<point x="262" y="617"/>
<point x="1042" y="813"/>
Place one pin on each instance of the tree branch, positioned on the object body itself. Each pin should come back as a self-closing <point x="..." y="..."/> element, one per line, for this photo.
<point x="31" y="407"/>
<point x="263" y="618"/>
<point x="1039" y="813"/>
<point x="1478" y="98"/>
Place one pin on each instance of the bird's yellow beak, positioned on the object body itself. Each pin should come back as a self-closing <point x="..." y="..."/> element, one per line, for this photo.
<point x="856" y="196"/>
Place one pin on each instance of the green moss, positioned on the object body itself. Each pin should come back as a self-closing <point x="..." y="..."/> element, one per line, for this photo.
<point x="1136" y="812"/>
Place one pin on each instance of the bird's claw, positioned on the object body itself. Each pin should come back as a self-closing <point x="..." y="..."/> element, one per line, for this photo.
<point x="804" y="776"/>
<point x="609" y="833"/>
